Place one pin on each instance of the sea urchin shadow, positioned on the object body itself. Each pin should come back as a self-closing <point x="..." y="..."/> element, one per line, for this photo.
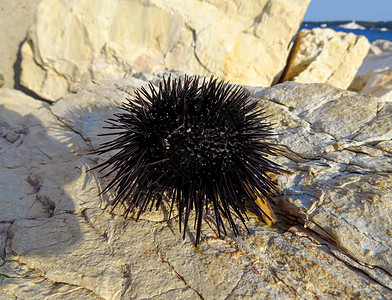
<point x="195" y="143"/>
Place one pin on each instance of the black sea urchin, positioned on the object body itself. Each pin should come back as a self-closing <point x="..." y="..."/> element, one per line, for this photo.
<point x="194" y="144"/>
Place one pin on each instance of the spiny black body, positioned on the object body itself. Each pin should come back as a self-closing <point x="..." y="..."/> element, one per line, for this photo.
<point x="194" y="144"/>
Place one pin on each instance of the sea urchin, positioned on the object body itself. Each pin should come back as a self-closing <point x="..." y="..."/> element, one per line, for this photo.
<point x="195" y="144"/>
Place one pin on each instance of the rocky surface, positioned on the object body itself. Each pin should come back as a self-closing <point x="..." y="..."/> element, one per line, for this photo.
<point x="15" y="18"/>
<point x="379" y="46"/>
<point x="376" y="82"/>
<point x="325" y="56"/>
<point x="242" y="41"/>
<point x="58" y="239"/>
<point x="375" y="75"/>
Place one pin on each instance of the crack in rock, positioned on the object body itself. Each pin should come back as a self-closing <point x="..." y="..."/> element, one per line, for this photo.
<point x="178" y="274"/>
<point x="194" y="36"/>
<point x="344" y="257"/>
<point x="85" y="139"/>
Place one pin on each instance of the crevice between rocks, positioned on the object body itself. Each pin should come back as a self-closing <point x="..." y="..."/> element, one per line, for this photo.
<point x="90" y="224"/>
<point x="165" y="261"/>
<point x="42" y="152"/>
<point x="229" y="295"/>
<point x="332" y="246"/>
<point x="357" y="269"/>
<point x="85" y="139"/>
<point x="194" y="49"/>
<point x="352" y="225"/>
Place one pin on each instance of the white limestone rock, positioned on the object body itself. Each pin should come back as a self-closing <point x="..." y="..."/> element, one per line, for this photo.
<point x="325" y="56"/>
<point x="383" y="45"/>
<point x="245" y="42"/>
<point x="375" y="75"/>
<point x="333" y="238"/>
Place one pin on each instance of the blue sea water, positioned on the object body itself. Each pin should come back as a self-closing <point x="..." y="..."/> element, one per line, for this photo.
<point x="370" y="34"/>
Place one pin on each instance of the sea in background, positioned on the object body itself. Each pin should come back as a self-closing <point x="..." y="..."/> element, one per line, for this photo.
<point x="370" y="34"/>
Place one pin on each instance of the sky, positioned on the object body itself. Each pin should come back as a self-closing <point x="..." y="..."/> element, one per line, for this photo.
<point x="359" y="10"/>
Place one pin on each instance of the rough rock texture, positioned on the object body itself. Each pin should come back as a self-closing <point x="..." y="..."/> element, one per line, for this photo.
<point x="1" y="80"/>
<point x="325" y="56"/>
<point x="333" y="239"/>
<point x="376" y="82"/>
<point x="382" y="45"/>
<point x="15" y="18"/>
<point x="375" y="75"/>
<point x="242" y="41"/>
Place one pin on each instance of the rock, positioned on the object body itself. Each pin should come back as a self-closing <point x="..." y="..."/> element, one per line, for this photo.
<point x="380" y="62"/>
<point x="380" y="46"/>
<point x="383" y="45"/>
<point x="333" y="237"/>
<point x="375" y="75"/>
<point x="325" y="56"/>
<point x="15" y="19"/>
<point x="374" y="50"/>
<point x="377" y="83"/>
<point x="246" y="43"/>
<point x="1" y="80"/>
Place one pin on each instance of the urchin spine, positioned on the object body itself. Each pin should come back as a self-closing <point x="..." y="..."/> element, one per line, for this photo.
<point x="195" y="143"/>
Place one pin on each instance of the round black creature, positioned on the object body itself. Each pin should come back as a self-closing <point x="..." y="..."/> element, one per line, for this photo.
<point x="194" y="143"/>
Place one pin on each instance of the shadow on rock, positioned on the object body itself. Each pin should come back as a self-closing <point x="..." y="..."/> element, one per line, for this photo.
<point x="46" y="199"/>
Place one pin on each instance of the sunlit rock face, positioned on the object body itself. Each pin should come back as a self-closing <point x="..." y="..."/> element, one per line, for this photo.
<point x="245" y="42"/>
<point x="326" y="56"/>
<point x="375" y="75"/>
